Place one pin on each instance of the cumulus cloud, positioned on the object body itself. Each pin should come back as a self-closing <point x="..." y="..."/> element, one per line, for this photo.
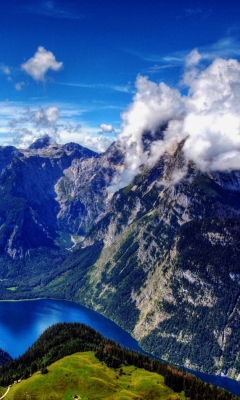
<point x="107" y="128"/>
<point x="212" y="118"/>
<point x="98" y="144"/>
<point x="40" y="64"/>
<point x="208" y="118"/>
<point x="153" y="105"/>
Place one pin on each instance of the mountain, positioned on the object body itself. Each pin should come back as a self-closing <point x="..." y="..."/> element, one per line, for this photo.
<point x="159" y="256"/>
<point x="51" y="195"/>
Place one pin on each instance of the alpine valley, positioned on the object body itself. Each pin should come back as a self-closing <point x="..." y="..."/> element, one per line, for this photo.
<point x="160" y="256"/>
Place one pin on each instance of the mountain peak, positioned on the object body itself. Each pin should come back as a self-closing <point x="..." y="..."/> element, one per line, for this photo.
<point x="42" y="142"/>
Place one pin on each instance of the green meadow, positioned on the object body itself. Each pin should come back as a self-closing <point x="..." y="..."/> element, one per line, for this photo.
<point x="82" y="375"/>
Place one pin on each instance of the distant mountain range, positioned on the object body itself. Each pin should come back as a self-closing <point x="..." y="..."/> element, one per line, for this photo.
<point x="161" y="257"/>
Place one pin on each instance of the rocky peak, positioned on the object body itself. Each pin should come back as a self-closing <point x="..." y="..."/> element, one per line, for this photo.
<point x="42" y="142"/>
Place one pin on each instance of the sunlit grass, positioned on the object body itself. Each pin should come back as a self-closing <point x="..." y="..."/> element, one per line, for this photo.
<point x="82" y="374"/>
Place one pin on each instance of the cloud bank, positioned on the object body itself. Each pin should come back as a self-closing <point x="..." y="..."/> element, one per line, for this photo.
<point x="207" y="117"/>
<point x="32" y="124"/>
<point x="40" y="64"/>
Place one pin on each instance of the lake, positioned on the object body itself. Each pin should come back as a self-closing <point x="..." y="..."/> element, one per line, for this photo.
<point x="22" y="322"/>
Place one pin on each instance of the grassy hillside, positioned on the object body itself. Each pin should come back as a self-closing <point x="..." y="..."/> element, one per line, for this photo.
<point x="75" y="358"/>
<point x="85" y="376"/>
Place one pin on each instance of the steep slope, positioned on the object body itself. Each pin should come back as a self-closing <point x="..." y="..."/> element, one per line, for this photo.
<point x="169" y="270"/>
<point x="81" y="192"/>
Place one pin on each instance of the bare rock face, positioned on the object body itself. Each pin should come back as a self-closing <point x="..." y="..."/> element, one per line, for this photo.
<point x="82" y="191"/>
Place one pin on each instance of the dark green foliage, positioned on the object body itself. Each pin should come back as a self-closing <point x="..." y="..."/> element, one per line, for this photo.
<point x="74" y="270"/>
<point x="44" y="370"/>
<point x="82" y="258"/>
<point x="126" y="277"/>
<point x="55" y="343"/>
<point x="4" y="357"/>
<point x="193" y="387"/>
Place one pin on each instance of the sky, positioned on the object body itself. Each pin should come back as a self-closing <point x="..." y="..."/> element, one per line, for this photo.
<point x="93" y="71"/>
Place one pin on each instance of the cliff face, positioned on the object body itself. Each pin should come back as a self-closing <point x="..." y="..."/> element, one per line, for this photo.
<point x="82" y="190"/>
<point x="160" y="256"/>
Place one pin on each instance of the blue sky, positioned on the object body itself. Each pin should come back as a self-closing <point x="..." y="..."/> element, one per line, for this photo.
<point x="69" y="68"/>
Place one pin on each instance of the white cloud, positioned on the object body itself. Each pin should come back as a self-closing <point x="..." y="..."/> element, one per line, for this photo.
<point x="152" y="106"/>
<point x="40" y="64"/>
<point x="5" y="69"/>
<point x="227" y="47"/>
<point x="155" y="69"/>
<point x="118" y="88"/>
<point x="33" y="124"/>
<point x="46" y="116"/>
<point x="212" y="118"/>
<point x="208" y="118"/>
<point x="193" y="58"/>
<point x="61" y="122"/>
<point x="106" y="128"/>
<point x="19" y="85"/>
<point x="98" y="144"/>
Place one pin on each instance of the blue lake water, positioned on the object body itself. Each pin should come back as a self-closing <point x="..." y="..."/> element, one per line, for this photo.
<point x="22" y="322"/>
